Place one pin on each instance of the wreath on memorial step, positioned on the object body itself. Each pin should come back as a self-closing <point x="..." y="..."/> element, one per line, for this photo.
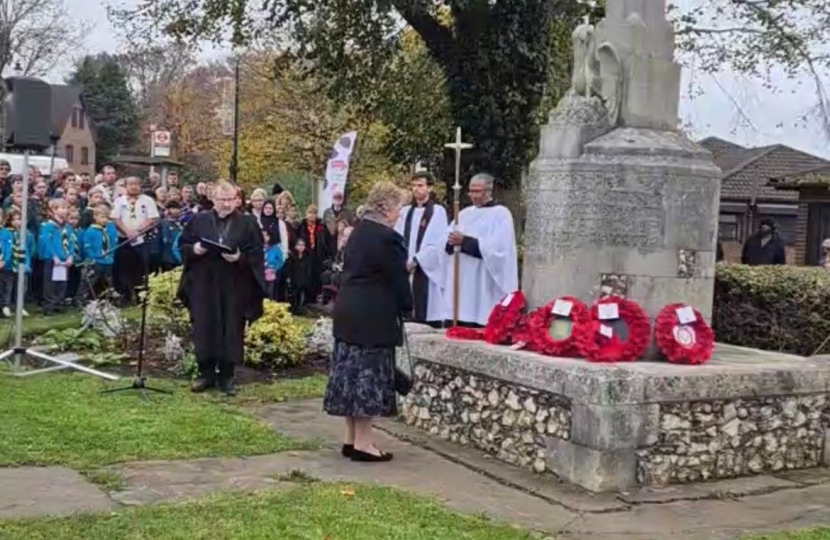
<point x="468" y="334"/>
<point x="505" y="319"/>
<point x="597" y="341"/>
<point x="541" y="321"/>
<point x="683" y="336"/>
<point x="524" y="333"/>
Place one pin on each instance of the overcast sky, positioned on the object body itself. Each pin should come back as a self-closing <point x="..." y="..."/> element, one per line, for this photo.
<point x="764" y="117"/>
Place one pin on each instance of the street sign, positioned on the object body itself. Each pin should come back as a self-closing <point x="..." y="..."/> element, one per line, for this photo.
<point x="161" y="144"/>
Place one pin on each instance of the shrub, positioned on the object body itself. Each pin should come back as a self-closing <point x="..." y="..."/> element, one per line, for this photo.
<point x="276" y="339"/>
<point x="163" y="307"/>
<point x="777" y="308"/>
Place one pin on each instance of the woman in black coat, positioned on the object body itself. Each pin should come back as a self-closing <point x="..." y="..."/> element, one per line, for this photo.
<point x="374" y="293"/>
<point x="313" y="232"/>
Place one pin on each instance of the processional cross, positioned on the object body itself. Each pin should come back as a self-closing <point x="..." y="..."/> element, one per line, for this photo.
<point x="458" y="146"/>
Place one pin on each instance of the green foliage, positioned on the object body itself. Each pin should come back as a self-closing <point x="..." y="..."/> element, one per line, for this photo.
<point x="74" y="339"/>
<point x="776" y="308"/>
<point x="489" y="64"/>
<point x="89" y="344"/>
<point x="109" y="102"/>
<point x="164" y="309"/>
<point x="300" y="184"/>
<point x="276" y="339"/>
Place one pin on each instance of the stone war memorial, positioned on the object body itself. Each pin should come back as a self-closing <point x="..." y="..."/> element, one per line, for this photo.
<point x="619" y="201"/>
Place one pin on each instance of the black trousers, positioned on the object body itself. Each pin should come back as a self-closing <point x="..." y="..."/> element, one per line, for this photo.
<point x="219" y="364"/>
<point x="54" y="292"/>
<point x="95" y="279"/>
<point x="132" y="262"/>
<point x="8" y="285"/>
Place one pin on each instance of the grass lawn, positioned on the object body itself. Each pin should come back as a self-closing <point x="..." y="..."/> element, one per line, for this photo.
<point x="808" y="534"/>
<point x="282" y="390"/>
<point x="63" y="419"/>
<point x="311" y="511"/>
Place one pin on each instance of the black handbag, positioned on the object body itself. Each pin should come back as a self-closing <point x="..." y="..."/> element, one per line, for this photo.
<point x="403" y="380"/>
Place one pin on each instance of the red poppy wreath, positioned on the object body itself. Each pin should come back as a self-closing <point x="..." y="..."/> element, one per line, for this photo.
<point x="462" y="333"/>
<point x="505" y="319"/>
<point x="554" y="326"/>
<point x="597" y="341"/>
<point x="683" y="336"/>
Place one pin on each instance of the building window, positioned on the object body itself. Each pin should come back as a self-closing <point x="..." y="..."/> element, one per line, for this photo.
<point x="74" y="118"/>
<point x="728" y="228"/>
<point x="69" y="154"/>
<point x="84" y="155"/>
<point x="81" y="119"/>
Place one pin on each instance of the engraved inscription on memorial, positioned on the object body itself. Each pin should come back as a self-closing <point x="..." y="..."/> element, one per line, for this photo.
<point x="577" y="214"/>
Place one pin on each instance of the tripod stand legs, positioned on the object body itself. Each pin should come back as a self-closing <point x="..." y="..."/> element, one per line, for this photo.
<point x="138" y="383"/>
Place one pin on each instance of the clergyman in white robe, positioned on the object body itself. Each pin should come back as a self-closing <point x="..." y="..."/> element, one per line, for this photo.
<point x="489" y="268"/>
<point x="423" y="229"/>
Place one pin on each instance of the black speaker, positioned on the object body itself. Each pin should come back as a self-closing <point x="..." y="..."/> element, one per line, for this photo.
<point x="28" y="113"/>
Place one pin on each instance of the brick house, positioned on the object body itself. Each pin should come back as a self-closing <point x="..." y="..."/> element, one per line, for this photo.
<point x="812" y="186"/>
<point x="75" y="131"/>
<point x="748" y="194"/>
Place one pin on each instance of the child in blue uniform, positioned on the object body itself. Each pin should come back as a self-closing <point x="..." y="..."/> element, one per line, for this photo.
<point x="98" y="241"/>
<point x="56" y="252"/>
<point x="171" y="229"/>
<point x="274" y="261"/>
<point x="11" y="252"/>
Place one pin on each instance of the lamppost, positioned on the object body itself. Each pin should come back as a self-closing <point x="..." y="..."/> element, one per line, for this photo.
<point x="234" y="167"/>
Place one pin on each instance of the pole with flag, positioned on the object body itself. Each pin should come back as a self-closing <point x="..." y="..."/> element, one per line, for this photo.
<point x="458" y="146"/>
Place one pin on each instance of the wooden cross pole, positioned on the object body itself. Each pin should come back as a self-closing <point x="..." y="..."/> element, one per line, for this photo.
<point x="458" y="146"/>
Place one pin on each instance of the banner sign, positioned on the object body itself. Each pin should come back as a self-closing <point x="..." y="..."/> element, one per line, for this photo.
<point x="337" y="169"/>
<point x="161" y="144"/>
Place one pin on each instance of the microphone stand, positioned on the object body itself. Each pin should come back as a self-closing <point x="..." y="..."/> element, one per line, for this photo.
<point x="139" y="381"/>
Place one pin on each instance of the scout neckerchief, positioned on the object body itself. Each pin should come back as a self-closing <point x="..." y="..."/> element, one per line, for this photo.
<point x="65" y="240"/>
<point x="15" y="247"/>
<point x="311" y="227"/>
<point x="132" y="203"/>
<point x="105" y="241"/>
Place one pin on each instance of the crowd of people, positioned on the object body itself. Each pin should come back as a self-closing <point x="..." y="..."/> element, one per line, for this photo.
<point x="87" y="236"/>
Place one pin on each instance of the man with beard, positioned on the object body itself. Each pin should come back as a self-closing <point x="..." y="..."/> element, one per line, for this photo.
<point x="764" y="247"/>
<point x="222" y="285"/>
<point x="423" y="225"/>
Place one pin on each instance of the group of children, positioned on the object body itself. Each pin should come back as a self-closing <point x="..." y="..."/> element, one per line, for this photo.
<point x="74" y="255"/>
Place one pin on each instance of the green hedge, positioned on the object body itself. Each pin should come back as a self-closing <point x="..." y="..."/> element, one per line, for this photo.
<point x="775" y="308"/>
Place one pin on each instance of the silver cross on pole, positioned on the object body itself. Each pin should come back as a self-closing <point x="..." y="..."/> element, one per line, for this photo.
<point x="458" y="146"/>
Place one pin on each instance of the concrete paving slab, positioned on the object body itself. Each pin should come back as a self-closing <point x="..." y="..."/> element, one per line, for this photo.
<point x="721" y="489"/>
<point x="48" y="491"/>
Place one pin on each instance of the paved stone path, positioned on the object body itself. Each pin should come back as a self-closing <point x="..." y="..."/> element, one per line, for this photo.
<point x="463" y="479"/>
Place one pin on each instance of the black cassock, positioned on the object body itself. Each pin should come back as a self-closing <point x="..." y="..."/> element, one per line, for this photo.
<point x="221" y="296"/>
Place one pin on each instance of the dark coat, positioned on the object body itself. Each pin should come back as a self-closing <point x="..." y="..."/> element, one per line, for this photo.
<point x="206" y="278"/>
<point x="757" y="254"/>
<point x="374" y="290"/>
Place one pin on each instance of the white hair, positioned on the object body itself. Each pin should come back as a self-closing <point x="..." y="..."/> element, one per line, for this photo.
<point x="487" y="179"/>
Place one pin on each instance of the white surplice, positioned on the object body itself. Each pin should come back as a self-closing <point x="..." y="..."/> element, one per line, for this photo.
<point x="482" y="282"/>
<point x="431" y="255"/>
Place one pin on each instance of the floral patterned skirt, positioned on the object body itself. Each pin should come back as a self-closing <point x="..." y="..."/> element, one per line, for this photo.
<point x="361" y="382"/>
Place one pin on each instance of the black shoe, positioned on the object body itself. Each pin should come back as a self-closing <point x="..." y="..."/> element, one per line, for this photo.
<point x="200" y="385"/>
<point x="366" y="457"/>
<point x="347" y="450"/>
<point x="227" y="388"/>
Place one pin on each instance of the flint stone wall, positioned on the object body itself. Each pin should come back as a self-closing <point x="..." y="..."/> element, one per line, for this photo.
<point x="506" y="420"/>
<point x="724" y="439"/>
<point x="612" y="428"/>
